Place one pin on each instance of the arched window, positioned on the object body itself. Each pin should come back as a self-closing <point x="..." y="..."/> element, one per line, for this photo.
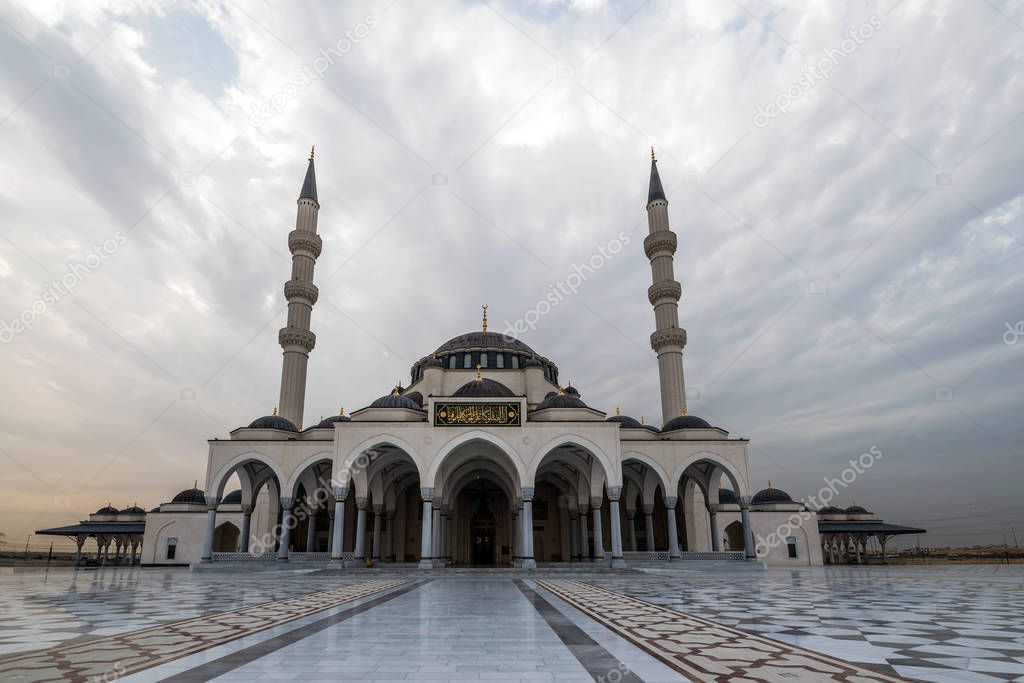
<point x="483" y="360"/>
<point x="515" y="362"/>
<point x="791" y="545"/>
<point x="500" y="360"/>
<point x="468" y="361"/>
<point x="452" y="360"/>
<point x="172" y="548"/>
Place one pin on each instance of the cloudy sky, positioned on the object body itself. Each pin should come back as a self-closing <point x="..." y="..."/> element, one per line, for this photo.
<point x="844" y="179"/>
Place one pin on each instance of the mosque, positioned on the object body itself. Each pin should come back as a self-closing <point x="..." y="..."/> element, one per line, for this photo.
<point x="484" y="459"/>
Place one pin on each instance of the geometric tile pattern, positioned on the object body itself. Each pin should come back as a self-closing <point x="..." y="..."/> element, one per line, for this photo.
<point x="115" y="656"/>
<point x="929" y="624"/>
<point x="703" y="650"/>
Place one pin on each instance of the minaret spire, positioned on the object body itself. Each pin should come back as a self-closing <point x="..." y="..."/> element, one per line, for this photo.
<point x="668" y="339"/>
<point x="295" y="338"/>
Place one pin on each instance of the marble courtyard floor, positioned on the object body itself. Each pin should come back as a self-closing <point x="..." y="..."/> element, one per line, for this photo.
<point x="833" y="624"/>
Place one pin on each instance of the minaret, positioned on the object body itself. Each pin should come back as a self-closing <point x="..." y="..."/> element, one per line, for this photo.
<point x="296" y="340"/>
<point x="668" y="339"/>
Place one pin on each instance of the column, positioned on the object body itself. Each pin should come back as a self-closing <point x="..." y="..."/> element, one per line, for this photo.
<point x="287" y="522"/>
<point x="311" y="531"/>
<point x="517" y="536"/>
<point x="595" y="508"/>
<point x="389" y="531"/>
<point x="360" y="549"/>
<point x="211" y="525"/>
<point x="748" y="533"/>
<point x="649" y="526"/>
<point x="425" y="558"/>
<point x="135" y="547"/>
<point x="631" y="514"/>
<point x="716" y="538"/>
<point x="79" y="542"/>
<point x="613" y="514"/>
<point x="673" y="534"/>
<point x="437" y="552"/>
<point x="338" y="526"/>
<point x="442" y="536"/>
<point x="573" y="540"/>
<point x="378" y="511"/>
<point x="246" y="527"/>
<point x="584" y="540"/>
<point x="528" y="561"/>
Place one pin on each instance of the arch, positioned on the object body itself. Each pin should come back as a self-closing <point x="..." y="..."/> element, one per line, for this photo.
<point x="666" y="483"/>
<point x="343" y="468"/>
<point x="738" y="481"/>
<point x="220" y="477"/>
<point x="476" y="435"/>
<point x="293" y="480"/>
<point x="225" y="537"/>
<point x="734" y="535"/>
<point x="610" y="471"/>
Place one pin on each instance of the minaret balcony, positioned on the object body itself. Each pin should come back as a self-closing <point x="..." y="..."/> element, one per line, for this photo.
<point x="672" y="337"/>
<point x="666" y="289"/>
<point x="300" y="289"/>
<point x="295" y="336"/>
<point x="662" y="242"/>
<point x="305" y="243"/>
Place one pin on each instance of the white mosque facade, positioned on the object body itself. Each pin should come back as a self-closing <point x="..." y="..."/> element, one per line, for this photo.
<point x="485" y="458"/>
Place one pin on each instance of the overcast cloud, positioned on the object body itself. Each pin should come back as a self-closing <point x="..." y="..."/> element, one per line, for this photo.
<point x="851" y="266"/>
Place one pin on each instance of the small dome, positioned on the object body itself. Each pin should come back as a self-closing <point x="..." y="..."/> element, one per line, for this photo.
<point x="856" y="510"/>
<point x="193" y="495"/>
<point x="107" y="510"/>
<point x="686" y="422"/>
<point x="233" y="497"/>
<point x="830" y="510"/>
<point x="572" y="391"/>
<point x="625" y="422"/>
<point x="561" y="400"/>
<point x="770" y="495"/>
<point x="395" y="400"/>
<point x="328" y="423"/>
<point x="416" y="397"/>
<point x="727" y="497"/>
<point x="132" y="510"/>
<point x="273" y="422"/>
<point x="483" y="387"/>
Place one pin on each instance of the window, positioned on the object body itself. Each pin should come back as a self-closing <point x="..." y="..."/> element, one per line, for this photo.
<point x="791" y="545"/>
<point x="452" y="360"/>
<point x="467" y="361"/>
<point x="483" y="360"/>
<point x="515" y="362"/>
<point x="500" y="360"/>
<point x="172" y="548"/>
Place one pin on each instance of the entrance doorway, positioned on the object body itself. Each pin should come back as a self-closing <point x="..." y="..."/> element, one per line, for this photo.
<point x="483" y="527"/>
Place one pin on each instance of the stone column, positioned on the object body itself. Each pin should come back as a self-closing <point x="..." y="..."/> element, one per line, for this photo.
<point x="595" y="508"/>
<point x="246" y="527"/>
<point x="673" y="534"/>
<point x="716" y="538"/>
<point x="338" y="526"/>
<point x="211" y="525"/>
<point x="649" y="526"/>
<point x="79" y="542"/>
<point x="389" y="535"/>
<point x="435" y="536"/>
<point x="631" y="514"/>
<point x="584" y="540"/>
<point x="286" y="528"/>
<point x="442" y="535"/>
<point x="528" y="561"/>
<point x="135" y="547"/>
<point x="516" y="533"/>
<point x="311" y="531"/>
<point x="378" y="511"/>
<point x="573" y="536"/>
<point x="360" y="549"/>
<point x="613" y="514"/>
<point x="748" y="532"/>
<point x="428" y="513"/>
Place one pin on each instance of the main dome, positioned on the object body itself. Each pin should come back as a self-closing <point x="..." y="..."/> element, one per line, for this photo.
<point x="489" y="350"/>
<point x="483" y="340"/>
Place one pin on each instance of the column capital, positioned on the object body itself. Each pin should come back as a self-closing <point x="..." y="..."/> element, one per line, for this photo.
<point x="389" y="514"/>
<point x="361" y="502"/>
<point x="584" y="509"/>
<point x="427" y="493"/>
<point x="340" y="492"/>
<point x="378" y="508"/>
<point x="670" y="502"/>
<point x="614" y="492"/>
<point x="247" y="509"/>
<point x="596" y="502"/>
<point x="744" y="502"/>
<point x="713" y="508"/>
<point x="527" y="492"/>
<point x="287" y="502"/>
<point x="212" y="502"/>
<point x="648" y="508"/>
<point x="631" y="513"/>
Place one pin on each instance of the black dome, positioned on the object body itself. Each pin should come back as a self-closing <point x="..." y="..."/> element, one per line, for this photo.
<point x="830" y="510"/>
<point x="561" y="401"/>
<point x="483" y="340"/>
<point x="133" y="509"/>
<point x="273" y="422"/>
<point x="190" y="496"/>
<point x="686" y="422"/>
<point x="328" y="422"/>
<point x="856" y="510"/>
<point x="233" y="497"/>
<point x="416" y="397"/>
<point x="394" y="400"/>
<point x="572" y="391"/>
<point x="483" y="387"/>
<point x="770" y="495"/>
<point x="107" y="510"/>
<point x="727" y="497"/>
<point x="625" y="421"/>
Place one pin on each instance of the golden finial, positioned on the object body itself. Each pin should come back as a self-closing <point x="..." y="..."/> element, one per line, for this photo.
<point x="617" y="411"/>
<point x="641" y="419"/>
<point x="312" y="152"/>
<point x="394" y="392"/>
<point x="478" y="365"/>
<point x="321" y="418"/>
<point x="275" y="411"/>
<point x="195" y="484"/>
<point x="769" y="483"/>
<point x="341" y="411"/>
<point x="485" y="317"/>
<point x="653" y="158"/>
<point x="561" y="391"/>
<point x="683" y="412"/>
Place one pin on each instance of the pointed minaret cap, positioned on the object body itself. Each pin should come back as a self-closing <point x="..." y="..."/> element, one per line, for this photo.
<point x="309" y="184"/>
<point x="656" y="191"/>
